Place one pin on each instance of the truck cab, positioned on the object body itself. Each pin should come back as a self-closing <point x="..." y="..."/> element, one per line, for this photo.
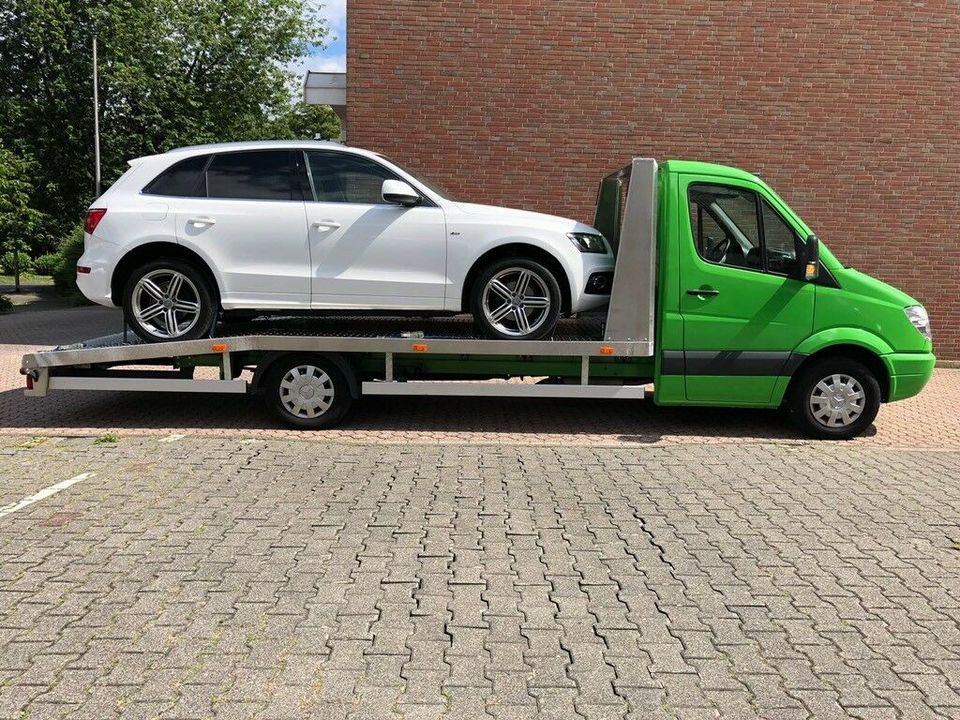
<point x="754" y="311"/>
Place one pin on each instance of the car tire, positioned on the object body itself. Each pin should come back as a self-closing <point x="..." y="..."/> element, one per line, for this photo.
<point x="502" y="313"/>
<point x="169" y="299"/>
<point x="307" y="392"/>
<point x="834" y="399"/>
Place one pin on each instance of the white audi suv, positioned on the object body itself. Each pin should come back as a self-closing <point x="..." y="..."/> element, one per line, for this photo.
<point x="280" y="227"/>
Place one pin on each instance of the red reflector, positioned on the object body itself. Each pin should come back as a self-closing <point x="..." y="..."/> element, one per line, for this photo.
<point x="29" y="382"/>
<point x="92" y="219"/>
<point x="83" y="270"/>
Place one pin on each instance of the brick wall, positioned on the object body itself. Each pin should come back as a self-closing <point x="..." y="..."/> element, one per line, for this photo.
<point x="851" y="110"/>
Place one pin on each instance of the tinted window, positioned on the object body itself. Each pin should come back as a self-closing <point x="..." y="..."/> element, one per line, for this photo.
<point x="183" y="179"/>
<point x="779" y="242"/>
<point x="259" y="175"/>
<point x="342" y="178"/>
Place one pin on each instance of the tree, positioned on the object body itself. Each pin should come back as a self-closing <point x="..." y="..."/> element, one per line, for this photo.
<point x="172" y="72"/>
<point x="307" y="122"/>
<point x="18" y="221"/>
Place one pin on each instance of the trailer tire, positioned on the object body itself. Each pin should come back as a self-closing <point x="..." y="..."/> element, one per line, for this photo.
<point x="835" y="398"/>
<point x="308" y="392"/>
<point x="152" y="303"/>
<point x="497" y="290"/>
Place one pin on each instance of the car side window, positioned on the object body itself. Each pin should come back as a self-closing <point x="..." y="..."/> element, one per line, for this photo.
<point x="736" y="227"/>
<point x="256" y="175"/>
<point x="182" y="179"/>
<point x="342" y="178"/>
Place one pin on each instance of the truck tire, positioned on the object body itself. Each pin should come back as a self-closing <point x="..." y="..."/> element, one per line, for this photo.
<point x="308" y="392"/>
<point x="834" y="399"/>
<point x="169" y="299"/>
<point x="515" y="299"/>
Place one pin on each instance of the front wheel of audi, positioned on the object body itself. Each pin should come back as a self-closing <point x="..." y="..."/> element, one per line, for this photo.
<point x="516" y="299"/>
<point x="169" y="299"/>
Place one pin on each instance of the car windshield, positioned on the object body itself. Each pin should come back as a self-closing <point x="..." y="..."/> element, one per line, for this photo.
<point x="432" y="186"/>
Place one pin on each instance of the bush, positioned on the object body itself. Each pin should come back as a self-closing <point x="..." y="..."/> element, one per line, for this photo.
<point x="6" y="304"/>
<point x="7" y="263"/>
<point x="46" y="264"/>
<point x="65" y="271"/>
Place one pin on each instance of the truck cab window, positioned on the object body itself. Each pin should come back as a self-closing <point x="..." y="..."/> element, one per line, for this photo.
<point x="734" y="226"/>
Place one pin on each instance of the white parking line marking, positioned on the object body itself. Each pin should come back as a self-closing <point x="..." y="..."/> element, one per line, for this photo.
<point x="45" y="493"/>
<point x="172" y="438"/>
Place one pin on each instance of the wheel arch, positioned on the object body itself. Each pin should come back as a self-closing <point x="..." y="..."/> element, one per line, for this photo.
<point x="341" y="361"/>
<point x="519" y="250"/>
<point x="152" y="251"/>
<point x="851" y="351"/>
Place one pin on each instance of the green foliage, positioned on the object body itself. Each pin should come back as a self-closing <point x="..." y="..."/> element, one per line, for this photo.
<point x="19" y="222"/>
<point x="9" y="265"/>
<point x="46" y="264"/>
<point x="69" y="252"/>
<point x="6" y="305"/>
<point x="172" y="73"/>
<point x="306" y="122"/>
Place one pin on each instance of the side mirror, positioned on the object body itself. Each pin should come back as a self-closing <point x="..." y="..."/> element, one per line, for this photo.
<point x="397" y="192"/>
<point x="808" y="258"/>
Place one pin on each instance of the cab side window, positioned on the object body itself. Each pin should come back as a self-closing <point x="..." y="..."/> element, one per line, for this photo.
<point x="342" y="178"/>
<point x="734" y="226"/>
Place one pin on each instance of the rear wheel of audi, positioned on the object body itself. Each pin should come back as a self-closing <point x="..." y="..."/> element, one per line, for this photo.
<point x="835" y="399"/>
<point x="169" y="299"/>
<point x="308" y="392"/>
<point x="516" y="299"/>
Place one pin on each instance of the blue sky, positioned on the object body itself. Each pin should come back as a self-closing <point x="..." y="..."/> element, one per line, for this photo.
<point x="333" y="57"/>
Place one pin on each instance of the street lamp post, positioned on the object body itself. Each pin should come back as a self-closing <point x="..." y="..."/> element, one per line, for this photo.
<point x="96" y="122"/>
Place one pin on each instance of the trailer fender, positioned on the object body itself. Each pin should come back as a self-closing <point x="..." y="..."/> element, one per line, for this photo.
<point x="269" y="358"/>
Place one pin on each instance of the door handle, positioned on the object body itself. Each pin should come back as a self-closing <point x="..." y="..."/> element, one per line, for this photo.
<point x="325" y="225"/>
<point x="702" y="292"/>
<point x="202" y="221"/>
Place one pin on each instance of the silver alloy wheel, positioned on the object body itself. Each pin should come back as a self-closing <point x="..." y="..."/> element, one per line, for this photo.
<point x="837" y="400"/>
<point x="166" y="303"/>
<point x="516" y="301"/>
<point x="306" y="391"/>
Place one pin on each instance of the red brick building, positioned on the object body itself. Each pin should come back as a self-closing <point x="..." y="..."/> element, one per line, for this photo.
<point x="850" y="109"/>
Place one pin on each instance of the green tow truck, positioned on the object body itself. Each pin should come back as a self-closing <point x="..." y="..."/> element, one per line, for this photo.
<point x="721" y="296"/>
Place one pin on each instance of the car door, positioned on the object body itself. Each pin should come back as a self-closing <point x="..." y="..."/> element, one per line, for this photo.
<point x="367" y="253"/>
<point x="249" y="223"/>
<point x="743" y="307"/>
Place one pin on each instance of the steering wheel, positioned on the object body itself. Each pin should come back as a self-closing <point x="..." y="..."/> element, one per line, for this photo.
<point x="715" y="249"/>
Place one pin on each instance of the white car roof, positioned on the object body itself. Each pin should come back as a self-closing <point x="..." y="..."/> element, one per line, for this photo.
<point x="259" y="145"/>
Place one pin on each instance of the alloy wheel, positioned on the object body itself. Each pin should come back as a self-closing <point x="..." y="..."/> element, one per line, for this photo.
<point x="166" y="303"/>
<point x="516" y="301"/>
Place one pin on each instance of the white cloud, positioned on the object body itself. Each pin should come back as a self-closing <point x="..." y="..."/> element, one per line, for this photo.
<point x="318" y="63"/>
<point x="335" y="12"/>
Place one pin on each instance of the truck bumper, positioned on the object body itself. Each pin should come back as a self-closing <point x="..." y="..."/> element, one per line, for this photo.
<point x="909" y="373"/>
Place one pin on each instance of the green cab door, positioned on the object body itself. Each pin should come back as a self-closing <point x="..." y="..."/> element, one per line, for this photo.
<point x="743" y="308"/>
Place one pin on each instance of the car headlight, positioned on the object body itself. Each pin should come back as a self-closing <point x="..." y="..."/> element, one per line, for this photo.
<point x="588" y="242"/>
<point x="917" y="315"/>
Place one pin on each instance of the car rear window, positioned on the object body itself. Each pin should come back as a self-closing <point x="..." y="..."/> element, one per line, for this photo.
<point x="183" y="179"/>
<point x="258" y="175"/>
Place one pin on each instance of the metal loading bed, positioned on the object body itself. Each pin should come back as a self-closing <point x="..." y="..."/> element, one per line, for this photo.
<point x="627" y="212"/>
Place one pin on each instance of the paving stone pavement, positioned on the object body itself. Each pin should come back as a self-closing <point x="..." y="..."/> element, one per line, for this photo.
<point x="221" y="577"/>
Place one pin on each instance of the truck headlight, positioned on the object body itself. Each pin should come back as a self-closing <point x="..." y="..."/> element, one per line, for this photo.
<point x="588" y="242"/>
<point x="917" y="315"/>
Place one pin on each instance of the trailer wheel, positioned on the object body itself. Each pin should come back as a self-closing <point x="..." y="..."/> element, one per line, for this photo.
<point x="307" y="392"/>
<point x="834" y="399"/>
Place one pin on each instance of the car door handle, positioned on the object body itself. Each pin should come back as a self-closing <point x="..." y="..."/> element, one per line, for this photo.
<point x="202" y="221"/>
<point x="703" y="291"/>
<point x="325" y="225"/>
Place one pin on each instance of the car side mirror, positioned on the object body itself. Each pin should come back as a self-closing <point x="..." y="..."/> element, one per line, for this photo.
<point x="808" y="258"/>
<point x="397" y="192"/>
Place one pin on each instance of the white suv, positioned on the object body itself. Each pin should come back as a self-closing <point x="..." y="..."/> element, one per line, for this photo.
<point x="314" y="226"/>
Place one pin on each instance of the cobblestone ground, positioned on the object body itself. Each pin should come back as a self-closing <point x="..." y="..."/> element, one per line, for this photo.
<point x="221" y="577"/>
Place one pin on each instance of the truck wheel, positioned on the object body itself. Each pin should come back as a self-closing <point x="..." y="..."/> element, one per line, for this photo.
<point x="835" y="399"/>
<point x="307" y="392"/>
<point x="169" y="299"/>
<point x="516" y="299"/>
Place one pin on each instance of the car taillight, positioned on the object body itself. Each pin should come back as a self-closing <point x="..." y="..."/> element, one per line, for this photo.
<point x="92" y="219"/>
